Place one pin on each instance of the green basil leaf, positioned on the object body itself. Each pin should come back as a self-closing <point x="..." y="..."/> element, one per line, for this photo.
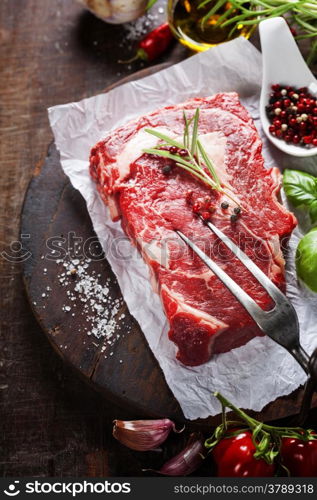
<point x="300" y="188"/>
<point x="313" y="212"/>
<point x="306" y="259"/>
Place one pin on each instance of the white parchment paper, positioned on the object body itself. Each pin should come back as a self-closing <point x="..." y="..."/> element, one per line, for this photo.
<point x="254" y="374"/>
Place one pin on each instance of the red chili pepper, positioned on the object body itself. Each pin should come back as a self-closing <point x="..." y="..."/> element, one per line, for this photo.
<point x="300" y="457"/>
<point x="154" y="44"/>
<point x="234" y="457"/>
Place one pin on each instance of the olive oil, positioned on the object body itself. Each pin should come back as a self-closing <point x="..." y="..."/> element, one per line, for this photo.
<point x="186" y="21"/>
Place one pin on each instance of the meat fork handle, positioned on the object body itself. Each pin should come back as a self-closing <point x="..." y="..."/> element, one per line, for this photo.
<point x="300" y="419"/>
<point x="302" y="358"/>
<point x="310" y="388"/>
<point x="313" y="366"/>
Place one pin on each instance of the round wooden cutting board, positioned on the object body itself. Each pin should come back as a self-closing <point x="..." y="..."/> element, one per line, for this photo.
<point x="124" y="370"/>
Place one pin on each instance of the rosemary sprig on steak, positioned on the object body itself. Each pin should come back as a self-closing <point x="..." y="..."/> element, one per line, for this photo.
<point x="189" y="155"/>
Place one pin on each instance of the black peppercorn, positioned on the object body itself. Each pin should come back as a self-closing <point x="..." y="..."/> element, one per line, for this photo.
<point x="224" y="205"/>
<point x="166" y="169"/>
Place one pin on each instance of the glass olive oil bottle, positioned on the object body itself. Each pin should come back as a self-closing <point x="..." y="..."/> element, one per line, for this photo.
<point x="186" y="21"/>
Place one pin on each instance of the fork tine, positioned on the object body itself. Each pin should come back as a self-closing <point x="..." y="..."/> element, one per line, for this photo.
<point x="247" y="302"/>
<point x="274" y="292"/>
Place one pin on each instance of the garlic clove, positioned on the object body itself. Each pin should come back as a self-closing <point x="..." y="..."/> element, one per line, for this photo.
<point x="188" y="460"/>
<point x="143" y="435"/>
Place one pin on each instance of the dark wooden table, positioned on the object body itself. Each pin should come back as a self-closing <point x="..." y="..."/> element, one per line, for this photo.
<point x="51" y="52"/>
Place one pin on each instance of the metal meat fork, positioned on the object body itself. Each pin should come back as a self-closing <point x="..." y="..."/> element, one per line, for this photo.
<point x="280" y="323"/>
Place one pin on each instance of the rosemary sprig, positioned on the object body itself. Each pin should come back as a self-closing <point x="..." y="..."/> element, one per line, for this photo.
<point x="203" y="168"/>
<point x="195" y="133"/>
<point x="209" y="164"/>
<point x="164" y="137"/>
<point x="170" y="156"/>
<point x="186" y="130"/>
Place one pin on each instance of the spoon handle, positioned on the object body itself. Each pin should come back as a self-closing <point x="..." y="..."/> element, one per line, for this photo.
<point x="282" y="60"/>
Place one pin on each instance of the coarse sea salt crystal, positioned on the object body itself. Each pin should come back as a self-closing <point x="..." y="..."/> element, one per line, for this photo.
<point x="97" y="308"/>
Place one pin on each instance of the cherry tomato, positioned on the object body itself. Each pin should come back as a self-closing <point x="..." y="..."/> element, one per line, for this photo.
<point x="234" y="457"/>
<point x="300" y="457"/>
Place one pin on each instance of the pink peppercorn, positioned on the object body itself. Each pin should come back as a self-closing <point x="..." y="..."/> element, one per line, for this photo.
<point x="293" y="115"/>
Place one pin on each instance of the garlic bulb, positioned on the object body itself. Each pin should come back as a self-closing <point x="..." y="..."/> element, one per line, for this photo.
<point x="116" y="11"/>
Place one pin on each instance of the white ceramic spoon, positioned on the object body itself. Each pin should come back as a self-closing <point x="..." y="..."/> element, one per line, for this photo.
<point x="282" y="63"/>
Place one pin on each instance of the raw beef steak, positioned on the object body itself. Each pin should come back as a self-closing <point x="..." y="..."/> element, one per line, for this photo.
<point x="204" y="317"/>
